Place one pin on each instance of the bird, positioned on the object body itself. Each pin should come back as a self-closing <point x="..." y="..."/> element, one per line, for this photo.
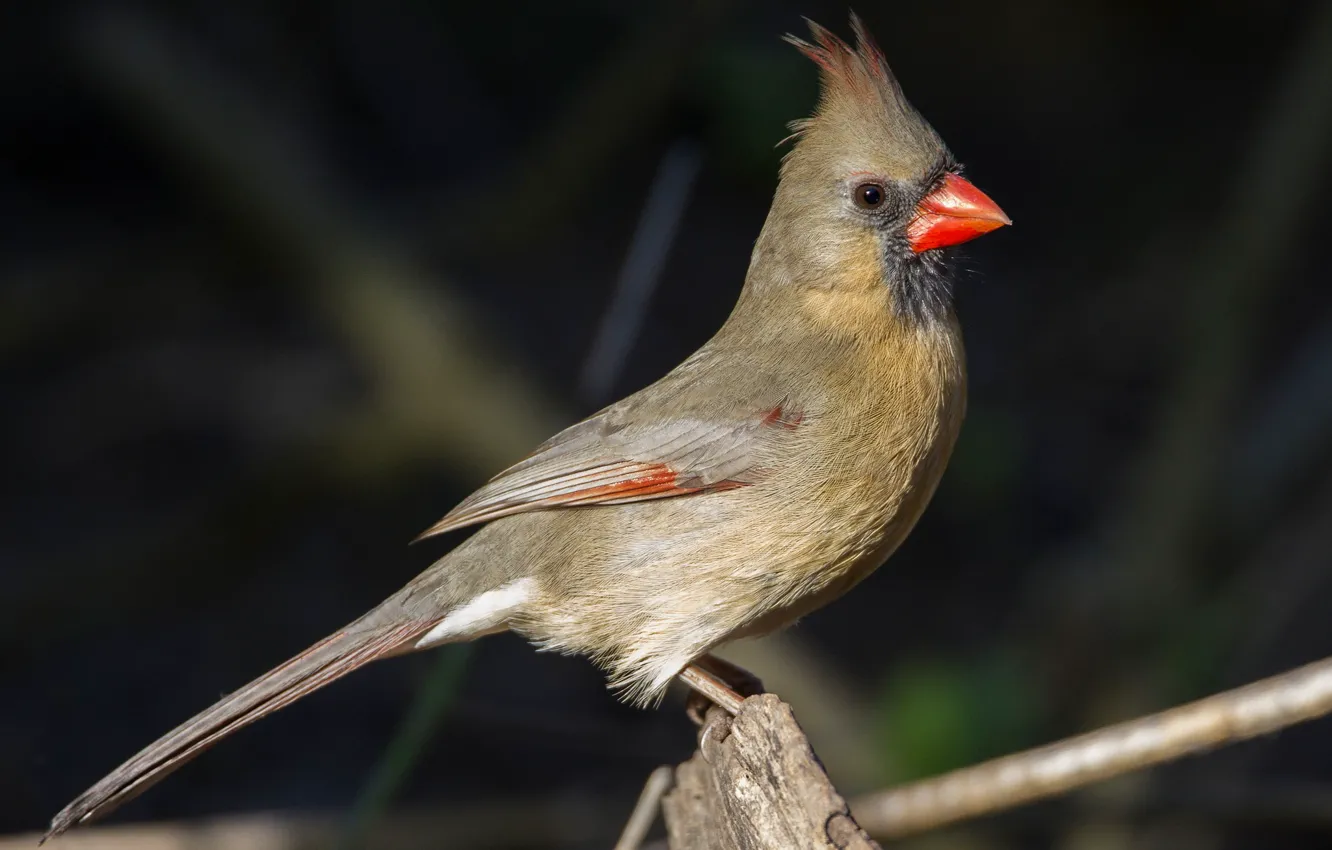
<point x="763" y="477"/>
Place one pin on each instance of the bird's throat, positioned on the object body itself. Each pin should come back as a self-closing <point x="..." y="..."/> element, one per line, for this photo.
<point x="920" y="285"/>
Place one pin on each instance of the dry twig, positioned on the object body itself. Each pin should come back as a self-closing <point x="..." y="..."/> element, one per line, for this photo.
<point x="1237" y="715"/>
<point x="645" y="810"/>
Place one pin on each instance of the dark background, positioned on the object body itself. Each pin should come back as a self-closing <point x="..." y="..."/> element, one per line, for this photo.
<point x="281" y="282"/>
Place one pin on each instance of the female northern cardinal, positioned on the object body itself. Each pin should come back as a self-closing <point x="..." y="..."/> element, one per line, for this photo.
<point x="763" y="477"/>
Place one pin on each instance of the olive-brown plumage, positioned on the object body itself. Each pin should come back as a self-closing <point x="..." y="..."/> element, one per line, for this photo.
<point x="776" y="467"/>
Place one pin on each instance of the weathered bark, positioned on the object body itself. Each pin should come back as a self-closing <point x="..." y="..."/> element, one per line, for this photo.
<point x="755" y="784"/>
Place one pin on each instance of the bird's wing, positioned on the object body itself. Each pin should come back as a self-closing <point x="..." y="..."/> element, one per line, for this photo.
<point x="623" y="454"/>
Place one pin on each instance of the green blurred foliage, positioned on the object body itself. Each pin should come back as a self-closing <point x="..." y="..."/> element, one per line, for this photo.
<point x="411" y="742"/>
<point x="937" y="714"/>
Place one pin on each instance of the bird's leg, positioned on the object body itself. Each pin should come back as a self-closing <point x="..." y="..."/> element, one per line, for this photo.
<point x="740" y="680"/>
<point x="717" y="682"/>
<point x="707" y="690"/>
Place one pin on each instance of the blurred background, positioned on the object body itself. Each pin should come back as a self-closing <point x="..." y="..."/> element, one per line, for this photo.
<point x="281" y="283"/>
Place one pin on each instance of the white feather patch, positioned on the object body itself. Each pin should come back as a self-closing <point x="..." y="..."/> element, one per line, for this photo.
<point x="663" y="671"/>
<point x="486" y="612"/>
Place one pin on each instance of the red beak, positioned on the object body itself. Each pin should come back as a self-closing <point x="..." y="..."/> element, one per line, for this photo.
<point x="954" y="213"/>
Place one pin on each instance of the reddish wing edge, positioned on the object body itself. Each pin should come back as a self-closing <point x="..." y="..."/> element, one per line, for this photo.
<point x="617" y="481"/>
<point x="613" y="484"/>
<point x="688" y="459"/>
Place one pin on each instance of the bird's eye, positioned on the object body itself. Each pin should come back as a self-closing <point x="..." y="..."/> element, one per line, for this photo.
<point x="869" y="196"/>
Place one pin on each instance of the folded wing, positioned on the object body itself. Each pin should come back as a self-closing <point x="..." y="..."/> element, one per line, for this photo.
<point x="616" y="457"/>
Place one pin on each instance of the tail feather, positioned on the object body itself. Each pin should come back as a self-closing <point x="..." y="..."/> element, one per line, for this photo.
<point x="330" y="659"/>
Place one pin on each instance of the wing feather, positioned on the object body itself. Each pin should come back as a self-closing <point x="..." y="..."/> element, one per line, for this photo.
<point x="608" y="459"/>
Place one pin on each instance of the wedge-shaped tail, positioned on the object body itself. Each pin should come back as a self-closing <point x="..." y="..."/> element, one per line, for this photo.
<point x="330" y="659"/>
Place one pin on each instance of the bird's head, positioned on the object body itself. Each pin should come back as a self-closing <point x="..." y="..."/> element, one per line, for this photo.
<point x="869" y="194"/>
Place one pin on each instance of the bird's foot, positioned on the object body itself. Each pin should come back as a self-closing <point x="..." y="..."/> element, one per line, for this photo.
<point x="716" y="682"/>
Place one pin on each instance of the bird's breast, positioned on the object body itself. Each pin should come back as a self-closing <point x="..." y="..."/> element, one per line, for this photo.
<point x="863" y="472"/>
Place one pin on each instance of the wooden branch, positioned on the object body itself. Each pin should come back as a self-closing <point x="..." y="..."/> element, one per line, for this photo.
<point x="499" y="823"/>
<point x="755" y="783"/>
<point x="835" y="711"/>
<point x="645" y="810"/>
<point x="1237" y="715"/>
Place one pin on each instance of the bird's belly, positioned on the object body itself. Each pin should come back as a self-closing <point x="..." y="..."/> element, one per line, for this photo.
<point x="820" y="583"/>
<point x="867" y="518"/>
<point x="648" y="586"/>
